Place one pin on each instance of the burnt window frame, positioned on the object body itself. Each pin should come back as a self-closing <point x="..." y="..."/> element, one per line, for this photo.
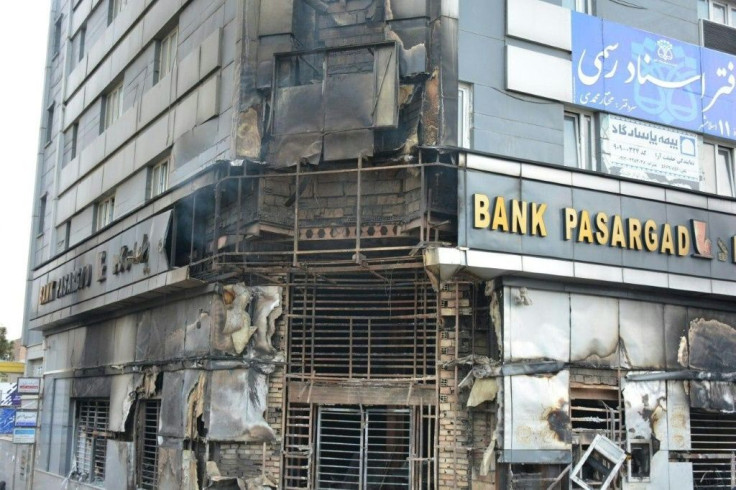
<point x="143" y="438"/>
<point x="96" y="436"/>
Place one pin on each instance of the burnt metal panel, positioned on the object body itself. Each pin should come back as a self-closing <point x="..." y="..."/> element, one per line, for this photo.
<point x="292" y="149"/>
<point x="385" y="111"/>
<point x="642" y="334"/>
<point x="275" y="17"/>
<point x="349" y="101"/>
<point x="92" y="387"/>
<point x="237" y="412"/>
<point x="119" y="465"/>
<point x="533" y="313"/>
<point x="678" y="416"/>
<point x="449" y="52"/>
<point x="711" y="346"/>
<point x="675" y="327"/>
<point x="348" y="144"/>
<point x="646" y="408"/>
<point x="411" y="36"/>
<point x="405" y="9"/>
<point x="299" y="109"/>
<point x="177" y="391"/>
<point x="713" y="395"/>
<point x="541" y="413"/>
<point x="594" y="330"/>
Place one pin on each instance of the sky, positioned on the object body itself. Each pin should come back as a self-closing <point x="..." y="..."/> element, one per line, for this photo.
<point x="23" y="40"/>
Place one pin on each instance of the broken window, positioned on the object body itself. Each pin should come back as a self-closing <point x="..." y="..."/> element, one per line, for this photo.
<point x="90" y="441"/>
<point x="640" y="460"/>
<point x="600" y="464"/>
<point x="147" y="444"/>
<point x="713" y="436"/>
<point x="595" y="410"/>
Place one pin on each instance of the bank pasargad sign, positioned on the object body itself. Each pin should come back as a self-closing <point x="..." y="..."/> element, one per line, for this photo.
<point x="582" y="226"/>
<point x="507" y="214"/>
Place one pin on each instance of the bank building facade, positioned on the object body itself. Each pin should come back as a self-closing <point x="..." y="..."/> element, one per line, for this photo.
<point x="385" y="244"/>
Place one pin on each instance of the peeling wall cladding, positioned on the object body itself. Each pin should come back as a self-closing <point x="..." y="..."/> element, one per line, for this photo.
<point x="608" y="332"/>
<point x="179" y="327"/>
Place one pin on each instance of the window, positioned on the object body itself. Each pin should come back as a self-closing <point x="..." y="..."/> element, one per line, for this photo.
<point x="584" y="6"/>
<point x="41" y="215"/>
<point x="90" y="440"/>
<point x="166" y="54"/>
<point x="722" y="12"/>
<point x="104" y="212"/>
<point x="49" y="123"/>
<point x="579" y="141"/>
<point x="114" y="8"/>
<point x="79" y="42"/>
<point x="464" y="114"/>
<point x="57" y="36"/>
<point x="158" y="178"/>
<point x="147" y="444"/>
<point x="718" y="171"/>
<point x="71" y="136"/>
<point x="112" y="106"/>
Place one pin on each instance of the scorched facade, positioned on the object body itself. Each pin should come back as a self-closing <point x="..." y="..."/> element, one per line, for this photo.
<point x="385" y="244"/>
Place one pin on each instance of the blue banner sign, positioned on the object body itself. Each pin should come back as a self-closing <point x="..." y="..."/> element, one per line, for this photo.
<point x="7" y="420"/>
<point x="642" y="75"/>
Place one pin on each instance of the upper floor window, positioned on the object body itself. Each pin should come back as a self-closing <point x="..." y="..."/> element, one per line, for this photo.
<point x="41" y="215"/>
<point x="718" y="169"/>
<point x="579" y="140"/>
<point x="158" y="178"/>
<point x="584" y="6"/>
<point x="49" y="123"/>
<point x="114" y="8"/>
<point x="166" y="54"/>
<point x="71" y="136"/>
<point x="464" y="114"/>
<point x="78" y="45"/>
<point x="104" y="212"/>
<point x="112" y="106"/>
<point x="722" y="12"/>
<point x="57" y="36"/>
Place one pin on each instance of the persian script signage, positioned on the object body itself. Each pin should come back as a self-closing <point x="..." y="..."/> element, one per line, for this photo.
<point x="638" y="74"/>
<point x="506" y="214"/>
<point x="645" y="151"/>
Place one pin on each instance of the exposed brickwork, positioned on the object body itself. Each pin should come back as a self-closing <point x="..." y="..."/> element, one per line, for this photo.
<point x="455" y="427"/>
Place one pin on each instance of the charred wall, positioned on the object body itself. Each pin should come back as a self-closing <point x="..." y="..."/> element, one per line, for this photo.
<point x="331" y="80"/>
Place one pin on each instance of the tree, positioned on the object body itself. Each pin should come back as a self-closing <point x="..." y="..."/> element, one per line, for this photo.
<point x="6" y="346"/>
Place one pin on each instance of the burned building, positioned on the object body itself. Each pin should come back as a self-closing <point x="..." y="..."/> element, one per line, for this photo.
<point x="386" y="244"/>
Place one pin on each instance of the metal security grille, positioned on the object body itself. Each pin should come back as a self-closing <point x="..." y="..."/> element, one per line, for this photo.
<point x="364" y="325"/>
<point x="297" y="446"/>
<point x="147" y="444"/>
<point x="91" y="440"/>
<point x="713" y="438"/>
<point x="363" y="448"/>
